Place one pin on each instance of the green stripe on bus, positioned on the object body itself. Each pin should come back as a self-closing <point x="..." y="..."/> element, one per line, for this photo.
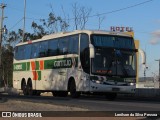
<point x="61" y="63"/>
<point x="48" y="64"/>
<point x="19" y="66"/>
<point x="28" y="66"/>
<point x="39" y="75"/>
<point x="37" y="65"/>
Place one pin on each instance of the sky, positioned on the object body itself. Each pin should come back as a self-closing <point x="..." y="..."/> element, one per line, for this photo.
<point x="142" y="15"/>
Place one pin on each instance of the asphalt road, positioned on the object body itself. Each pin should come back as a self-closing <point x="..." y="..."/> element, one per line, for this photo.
<point x="94" y="103"/>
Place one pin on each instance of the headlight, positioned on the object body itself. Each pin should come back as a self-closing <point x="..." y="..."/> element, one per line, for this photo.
<point x="97" y="81"/>
<point x="132" y="84"/>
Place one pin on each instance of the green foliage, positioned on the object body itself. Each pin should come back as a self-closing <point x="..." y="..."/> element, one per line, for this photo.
<point x="7" y="66"/>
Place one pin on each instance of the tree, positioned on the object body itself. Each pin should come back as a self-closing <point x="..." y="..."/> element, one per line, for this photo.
<point x="7" y="66"/>
<point x="52" y="25"/>
<point x="85" y="12"/>
<point x="81" y="15"/>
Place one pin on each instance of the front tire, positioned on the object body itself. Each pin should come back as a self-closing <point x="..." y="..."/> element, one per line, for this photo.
<point x="72" y="90"/>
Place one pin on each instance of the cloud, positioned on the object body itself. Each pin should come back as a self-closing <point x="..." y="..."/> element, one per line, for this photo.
<point x="155" y="37"/>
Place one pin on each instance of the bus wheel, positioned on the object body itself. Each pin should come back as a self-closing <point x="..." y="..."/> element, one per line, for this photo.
<point x="111" y="96"/>
<point x="29" y="88"/>
<point x="72" y="90"/>
<point x="24" y="88"/>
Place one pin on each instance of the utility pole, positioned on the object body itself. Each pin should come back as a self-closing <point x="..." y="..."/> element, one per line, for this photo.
<point x="24" y="20"/>
<point x="159" y="72"/>
<point x="2" y="6"/>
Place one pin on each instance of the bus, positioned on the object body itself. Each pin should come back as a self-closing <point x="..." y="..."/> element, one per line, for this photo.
<point x="78" y="62"/>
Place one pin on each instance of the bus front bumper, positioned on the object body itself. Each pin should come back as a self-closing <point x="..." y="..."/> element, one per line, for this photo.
<point x="95" y="87"/>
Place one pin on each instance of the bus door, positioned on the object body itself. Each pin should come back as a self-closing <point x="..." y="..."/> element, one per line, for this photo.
<point x="85" y="61"/>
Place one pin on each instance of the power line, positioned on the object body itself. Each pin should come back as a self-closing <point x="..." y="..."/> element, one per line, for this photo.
<point x="95" y="15"/>
<point x="113" y="11"/>
<point x="21" y="10"/>
<point x="128" y="7"/>
<point x="16" y="24"/>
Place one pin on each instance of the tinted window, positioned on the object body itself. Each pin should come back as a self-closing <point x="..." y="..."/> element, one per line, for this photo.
<point x="125" y="42"/>
<point x="43" y="49"/>
<point x="63" y="46"/>
<point x="73" y="44"/>
<point x="52" y="47"/>
<point x="101" y="40"/>
<point x="112" y="41"/>
<point x="16" y="53"/>
<point x="35" y="50"/>
<point x="84" y="52"/>
<point x="27" y="51"/>
<point x="21" y="52"/>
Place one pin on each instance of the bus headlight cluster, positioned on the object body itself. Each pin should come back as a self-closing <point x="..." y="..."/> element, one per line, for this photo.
<point x="98" y="81"/>
<point x="131" y="84"/>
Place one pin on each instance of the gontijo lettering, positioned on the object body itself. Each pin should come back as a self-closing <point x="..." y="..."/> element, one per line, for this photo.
<point x="18" y="67"/>
<point x="62" y="63"/>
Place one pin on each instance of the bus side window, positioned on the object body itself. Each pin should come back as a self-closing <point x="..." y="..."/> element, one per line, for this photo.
<point x="43" y="48"/>
<point x="84" y="53"/>
<point x="63" y="46"/>
<point x="52" y="48"/>
<point x="35" y="50"/>
<point x="27" y="51"/>
<point x="16" y="53"/>
<point x="21" y="52"/>
<point x="73" y="44"/>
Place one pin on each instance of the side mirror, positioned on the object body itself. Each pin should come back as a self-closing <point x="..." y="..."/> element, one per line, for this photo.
<point x="91" y="50"/>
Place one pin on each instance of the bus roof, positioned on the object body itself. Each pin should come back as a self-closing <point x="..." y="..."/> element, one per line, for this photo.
<point x="63" y="34"/>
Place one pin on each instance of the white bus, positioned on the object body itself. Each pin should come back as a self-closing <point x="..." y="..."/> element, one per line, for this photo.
<point x="83" y="61"/>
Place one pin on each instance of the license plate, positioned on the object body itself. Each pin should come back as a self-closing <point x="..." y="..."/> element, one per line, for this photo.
<point x="115" y="89"/>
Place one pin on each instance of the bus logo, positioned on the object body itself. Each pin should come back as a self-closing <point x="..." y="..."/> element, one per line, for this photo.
<point x="62" y="63"/>
<point x="18" y="67"/>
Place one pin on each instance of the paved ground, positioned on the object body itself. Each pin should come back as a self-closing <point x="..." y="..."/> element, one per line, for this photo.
<point x="14" y="105"/>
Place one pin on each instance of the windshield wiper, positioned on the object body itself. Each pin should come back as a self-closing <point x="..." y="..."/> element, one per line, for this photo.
<point x="110" y="64"/>
<point x="118" y="54"/>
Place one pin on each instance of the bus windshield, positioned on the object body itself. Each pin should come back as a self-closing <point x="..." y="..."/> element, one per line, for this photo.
<point x="114" y="56"/>
<point x="112" y="41"/>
